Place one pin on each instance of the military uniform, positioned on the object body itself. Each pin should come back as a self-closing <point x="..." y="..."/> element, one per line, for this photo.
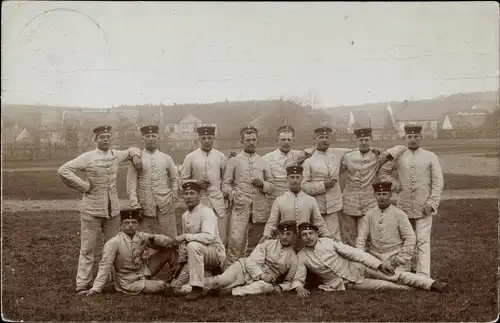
<point x="100" y="207"/>
<point x="318" y="168"/>
<point x="387" y="233"/>
<point x="126" y="255"/>
<point x="248" y="202"/>
<point x="243" y="277"/>
<point x="362" y="172"/>
<point x="200" y="165"/>
<point x="155" y="189"/>
<point x="342" y="267"/>
<point x="420" y="183"/>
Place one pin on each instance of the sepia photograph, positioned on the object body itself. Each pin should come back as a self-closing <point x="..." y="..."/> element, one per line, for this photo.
<point x="250" y="161"/>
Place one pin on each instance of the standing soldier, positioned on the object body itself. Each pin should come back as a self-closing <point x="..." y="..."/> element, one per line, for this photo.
<point x="154" y="189"/>
<point x="100" y="206"/>
<point x="246" y="180"/>
<point x="420" y="185"/>
<point x="362" y="167"/>
<point x="281" y="158"/>
<point x="321" y="175"/>
<point x="206" y="166"/>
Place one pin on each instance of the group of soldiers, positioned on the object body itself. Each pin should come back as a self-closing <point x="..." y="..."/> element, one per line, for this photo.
<point x="309" y="229"/>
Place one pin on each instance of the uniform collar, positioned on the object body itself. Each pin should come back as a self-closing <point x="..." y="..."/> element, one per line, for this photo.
<point x="150" y="152"/>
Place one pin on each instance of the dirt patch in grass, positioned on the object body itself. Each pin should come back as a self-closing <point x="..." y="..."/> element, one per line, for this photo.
<point x="40" y="252"/>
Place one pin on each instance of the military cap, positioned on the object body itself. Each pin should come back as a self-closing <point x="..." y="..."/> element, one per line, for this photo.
<point x="249" y="129"/>
<point x="205" y="130"/>
<point x="323" y="131"/>
<point x="294" y="170"/>
<point x="150" y="129"/>
<point x="191" y="186"/>
<point x="101" y="129"/>
<point x="286" y="128"/>
<point x="382" y="187"/>
<point x="413" y="129"/>
<point x="287" y="226"/>
<point x="307" y="226"/>
<point x="130" y="214"/>
<point x="363" y="132"/>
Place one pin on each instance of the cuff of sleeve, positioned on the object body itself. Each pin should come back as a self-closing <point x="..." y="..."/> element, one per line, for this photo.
<point x="86" y="187"/>
<point x="97" y="290"/>
<point x="296" y="284"/>
<point x="134" y="151"/>
<point x="377" y="264"/>
<point x="256" y="276"/>
<point x="189" y="237"/>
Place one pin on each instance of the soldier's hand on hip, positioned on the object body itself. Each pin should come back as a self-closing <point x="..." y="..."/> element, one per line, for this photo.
<point x="427" y="209"/>
<point x="302" y="292"/>
<point x="329" y="183"/>
<point x="386" y="268"/>
<point x="277" y="289"/>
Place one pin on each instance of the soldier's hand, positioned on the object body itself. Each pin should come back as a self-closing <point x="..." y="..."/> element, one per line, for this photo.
<point x="427" y="209"/>
<point x="376" y="151"/>
<point x="386" y="268"/>
<point x="267" y="278"/>
<point x="137" y="162"/>
<point x="396" y="187"/>
<point x="329" y="183"/>
<point x="232" y="154"/>
<point x="396" y="262"/>
<point x="257" y="182"/>
<point x="302" y="292"/>
<point x="204" y="184"/>
<point x="277" y="289"/>
<point x="180" y="238"/>
<point x="89" y="292"/>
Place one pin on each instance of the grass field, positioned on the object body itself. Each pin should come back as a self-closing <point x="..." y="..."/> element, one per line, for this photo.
<point x="40" y="252"/>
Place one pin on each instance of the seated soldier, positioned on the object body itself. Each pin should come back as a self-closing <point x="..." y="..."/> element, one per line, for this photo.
<point x="124" y="253"/>
<point x="385" y="231"/>
<point x="262" y="270"/>
<point x="294" y="205"/>
<point x="342" y="267"/>
<point x="200" y="245"/>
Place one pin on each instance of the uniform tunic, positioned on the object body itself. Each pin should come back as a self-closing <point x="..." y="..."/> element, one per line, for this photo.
<point x="248" y="202"/>
<point x="295" y="207"/>
<point x="386" y="234"/>
<point x="243" y="276"/>
<point x="278" y="161"/>
<point x="341" y="266"/>
<point x="125" y="255"/>
<point x="155" y="188"/>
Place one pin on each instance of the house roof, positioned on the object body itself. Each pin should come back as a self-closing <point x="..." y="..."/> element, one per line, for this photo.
<point x="467" y="118"/>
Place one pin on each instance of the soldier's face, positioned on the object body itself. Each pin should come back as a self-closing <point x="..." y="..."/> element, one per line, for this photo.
<point x="294" y="181"/>
<point x="130" y="226"/>
<point x="206" y="142"/>
<point x="413" y="140"/>
<point x="151" y="141"/>
<point x="191" y="198"/>
<point x="323" y="142"/>
<point x="383" y="199"/>
<point x="286" y="238"/>
<point x="309" y="237"/>
<point x="103" y="140"/>
<point x="249" y="141"/>
<point x="285" y="141"/>
<point x="364" y="144"/>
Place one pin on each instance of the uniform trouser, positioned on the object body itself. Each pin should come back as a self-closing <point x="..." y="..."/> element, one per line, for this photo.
<point x="376" y="280"/>
<point x="163" y="222"/>
<point x="199" y="257"/>
<point x="223" y="222"/>
<point x="421" y="262"/>
<point x="350" y="228"/>
<point x="332" y="221"/>
<point x="91" y="228"/>
<point x="240" y="283"/>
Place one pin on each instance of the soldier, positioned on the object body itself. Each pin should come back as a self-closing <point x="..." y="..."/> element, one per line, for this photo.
<point x="294" y="205"/>
<point x="261" y="271"/>
<point x="246" y="180"/>
<point x="362" y="167"/>
<point x="155" y="187"/>
<point x="342" y="267"/>
<point x="124" y="252"/>
<point x="100" y="205"/>
<point x="321" y="175"/>
<point x="279" y="159"/>
<point x="200" y="245"/>
<point x="206" y="166"/>
<point x="387" y="230"/>
<point x="420" y="185"/>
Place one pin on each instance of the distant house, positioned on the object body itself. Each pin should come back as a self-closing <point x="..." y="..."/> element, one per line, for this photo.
<point x="182" y="134"/>
<point x="466" y="123"/>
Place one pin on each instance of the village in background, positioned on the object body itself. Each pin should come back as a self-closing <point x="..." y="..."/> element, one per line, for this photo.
<point x="60" y="133"/>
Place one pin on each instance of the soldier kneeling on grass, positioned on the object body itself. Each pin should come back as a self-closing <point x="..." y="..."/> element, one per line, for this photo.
<point x="124" y="252"/>
<point x="342" y="267"/>
<point x="263" y="271"/>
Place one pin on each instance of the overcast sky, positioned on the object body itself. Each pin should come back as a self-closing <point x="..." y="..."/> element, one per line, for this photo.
<point x="100" y="54"/>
